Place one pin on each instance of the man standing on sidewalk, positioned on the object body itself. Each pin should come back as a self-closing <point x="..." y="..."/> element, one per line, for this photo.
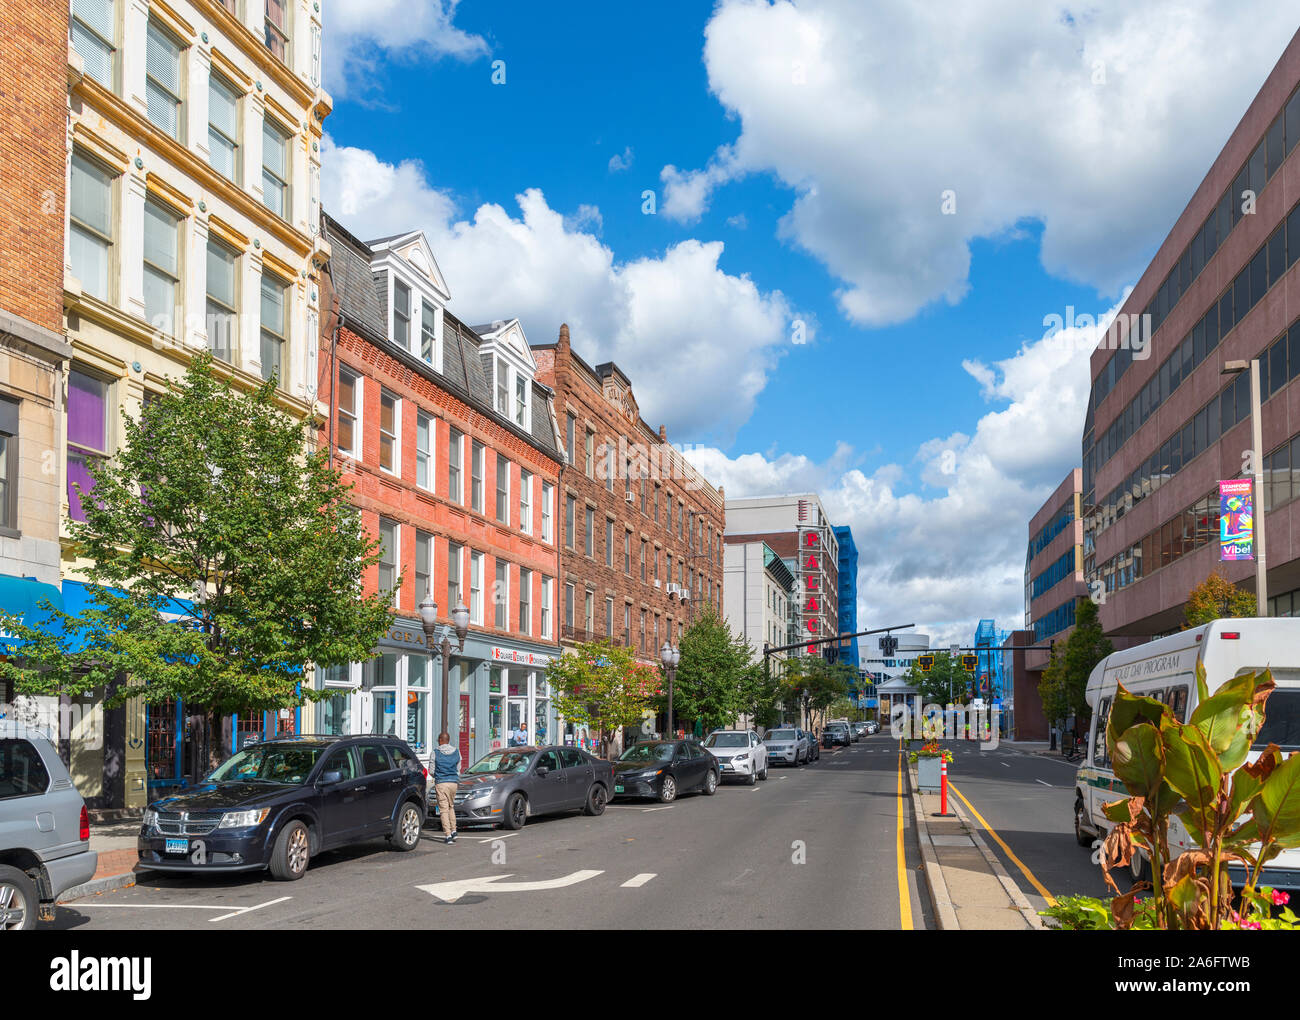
<point x="446" y="770"/>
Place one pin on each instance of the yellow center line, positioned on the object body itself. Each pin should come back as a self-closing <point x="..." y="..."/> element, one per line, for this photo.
<point x="1042" y="890"/>
<point x="904" y="894"/>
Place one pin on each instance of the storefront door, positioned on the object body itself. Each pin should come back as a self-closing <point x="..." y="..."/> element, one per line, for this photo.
<point x="464" y="731"/>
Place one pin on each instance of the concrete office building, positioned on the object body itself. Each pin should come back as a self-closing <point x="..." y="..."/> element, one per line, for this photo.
<point x="1161" y="431"/>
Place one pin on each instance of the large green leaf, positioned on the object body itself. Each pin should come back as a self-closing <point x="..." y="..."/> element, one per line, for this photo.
<point x="1276" y="807"/>
<point x="1139" y="760"/>
<point x="1228" y="720"/>
<point x="1192" y="770"/>
<point x="1128" y="709"/>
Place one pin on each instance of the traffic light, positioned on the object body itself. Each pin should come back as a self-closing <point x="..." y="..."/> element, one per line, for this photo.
<point x="970" y="663"/>
<point x="926" y="662"/>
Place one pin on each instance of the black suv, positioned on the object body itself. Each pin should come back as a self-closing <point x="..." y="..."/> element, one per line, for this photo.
<point x="277" y="804"/>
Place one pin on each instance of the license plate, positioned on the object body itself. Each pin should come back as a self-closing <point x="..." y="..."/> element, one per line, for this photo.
<point x="726" y="768"/>
<point x="618" y="789"/>
<point x="176" y="846"/>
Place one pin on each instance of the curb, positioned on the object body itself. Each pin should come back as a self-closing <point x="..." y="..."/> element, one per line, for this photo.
<point x="945" y="915"/>
<point x="1008" y="883"/>
<point x="99" y="885"/>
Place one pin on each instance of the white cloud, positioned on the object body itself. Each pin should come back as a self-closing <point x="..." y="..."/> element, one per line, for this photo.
<point x="698" y="342"/>
<point x="941" y="540"/>
<point x="362" y="35"/>
<point x="1099" y="123"/>
<point x="618" y="163"/>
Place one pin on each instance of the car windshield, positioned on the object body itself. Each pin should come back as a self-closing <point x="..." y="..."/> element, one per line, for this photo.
<point x="502" y="761"/>
<point x="1281" y="720"/>
<point x="287" y="764"/>
<point x="780" y="734"/>
<point x="648" y="752"/>
<point x="727" y="740"/>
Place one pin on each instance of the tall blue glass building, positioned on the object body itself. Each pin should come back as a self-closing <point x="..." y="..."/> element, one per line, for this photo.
<point x="848" y="595"/>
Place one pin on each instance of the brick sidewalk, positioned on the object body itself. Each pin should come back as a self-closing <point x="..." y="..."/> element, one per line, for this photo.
<point x="116" y="862"/>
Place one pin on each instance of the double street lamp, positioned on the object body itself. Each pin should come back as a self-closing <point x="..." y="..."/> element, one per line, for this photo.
<point x="670" y="655"/>
<point x="460" y="620"/>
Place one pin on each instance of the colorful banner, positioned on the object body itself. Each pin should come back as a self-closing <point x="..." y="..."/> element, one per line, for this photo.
<point x="1236" y="520"/>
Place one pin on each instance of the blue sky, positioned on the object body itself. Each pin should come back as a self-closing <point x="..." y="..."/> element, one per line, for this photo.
<point x="798" y="153"/>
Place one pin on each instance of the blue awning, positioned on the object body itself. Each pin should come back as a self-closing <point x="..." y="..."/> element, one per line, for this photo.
<point x="21" y="597"/>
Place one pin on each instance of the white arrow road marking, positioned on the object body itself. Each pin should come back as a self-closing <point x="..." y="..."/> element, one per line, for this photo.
<point x="636" y="881"/>
<point x="450" y="892"/>
<point x="245" y="910"/>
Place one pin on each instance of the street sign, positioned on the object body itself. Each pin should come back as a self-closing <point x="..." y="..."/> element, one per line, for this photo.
<point x="926" y="662"/>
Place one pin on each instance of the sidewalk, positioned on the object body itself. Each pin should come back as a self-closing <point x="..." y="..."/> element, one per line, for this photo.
<point x="115" y="842"/>
<point x="969" y="888"/>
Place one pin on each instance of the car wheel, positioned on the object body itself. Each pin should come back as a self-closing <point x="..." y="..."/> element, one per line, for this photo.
<point x="292" y="853"/>
<point x="1139" y="868"/>
<point x="1080" y="836"/>
<point x="763" y="775"/>
<point x="406" y="833"/>
<point x="597" y="798"/>
<point x="516" y="812"/>
<point x="710" y="783"/>
<point x="668" y="790"/>
<point x="752" y="778"/>
<point x="18" y="900"/>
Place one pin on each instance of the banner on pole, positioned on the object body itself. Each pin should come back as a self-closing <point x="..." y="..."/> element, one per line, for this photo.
<point x="1236" y="520"/>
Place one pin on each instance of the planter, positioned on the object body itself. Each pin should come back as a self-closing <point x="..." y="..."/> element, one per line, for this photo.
<point x="927" y="774"/>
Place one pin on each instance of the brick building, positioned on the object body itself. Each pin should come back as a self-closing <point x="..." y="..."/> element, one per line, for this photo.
<point x="640" y="529"/>
<point x="460" y="490"/>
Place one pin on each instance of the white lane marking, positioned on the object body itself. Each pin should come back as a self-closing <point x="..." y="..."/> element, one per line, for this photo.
<point x="246" y="910"/>
<point x="1045" y="784"/>
<point x="146" y="906"/>
<point x="636" y="881"/>
<point x="1004" y="765"/>
<point x="755" y="789"/>
<point x="450" y="892"/>
<point x="666" y="807"/>
<point x="484" y="839"/>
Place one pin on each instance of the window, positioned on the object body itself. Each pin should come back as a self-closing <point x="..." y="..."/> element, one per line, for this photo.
<point x="274" y="326"/>
<point x="589" y="613"/>
<point x="548" y="495"/>
<point x="525" y="601"/>
<point x="476" y="588"/>
<point x="223" y="305"/>
<point x="609" y="616"/>
<point x="161" y="266"/>
<point x="525" y="501"/>
<point x="275" y="169"/>
<point x="627" y="623"/>
<point x="401" y="315"/>
<point x="521" y="400"/>
<point x="424" y="436"/>
<point x="547" y="584"/>
<point x="642" y="646"/>
<point x="92" y="37"/>
<point x="588" y="453"/>
<point x="162" y="86"/>
<point x="389" y="412"/>
<point x="476" y="476"/>
<point x="627" y="552"/>
<point x="9" y="465"/>
<point x="503" y="388"/>
<point x="656" y="504"/>
<point x="91" y="214"/>
<point x="388" y="557"/>
<point x="569" y="440"/>
<point x="501" y="596"/>
<point x="277" y="28"/>
<point x="570" y="510"/>
<point x="223" y="128"/>
<point x="589" y="538"/>
<point x="428" y="330"/>
<point x="503" y="490"/>
<point x="568" y="607"/>
<point x="349" y="405"/>
<point x="643" y="551"/>
<point x="423" y="565"/>
<point x="609" y="542"/>
<point x="455" y="574"/>
<point x="607" y="454"/>
<point x="455" y="484"/>
<point x="22" y="772"/>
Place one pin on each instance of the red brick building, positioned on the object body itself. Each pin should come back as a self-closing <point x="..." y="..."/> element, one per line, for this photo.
<point x="459" y="486"/>
<point x="640" y="530"/>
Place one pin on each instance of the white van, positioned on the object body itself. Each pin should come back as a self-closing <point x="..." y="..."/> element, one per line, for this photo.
<point x="1166" y="670"/>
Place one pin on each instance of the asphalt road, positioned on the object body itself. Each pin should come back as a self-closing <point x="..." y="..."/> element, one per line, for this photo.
<point x="1028" y="801"/>
<point x="813" y="847"/>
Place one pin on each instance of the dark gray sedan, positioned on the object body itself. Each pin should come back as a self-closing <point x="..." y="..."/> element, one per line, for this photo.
<point x="509" y="786"/>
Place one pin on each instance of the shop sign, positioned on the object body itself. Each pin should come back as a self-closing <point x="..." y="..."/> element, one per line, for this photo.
<point x="499" y="654"/>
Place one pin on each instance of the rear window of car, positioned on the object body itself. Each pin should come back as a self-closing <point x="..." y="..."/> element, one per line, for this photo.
<point x="22" y="773"/>
<point x="402" y="758"/>
<point x="780" y="734"/>
<point x="374" y="759"/>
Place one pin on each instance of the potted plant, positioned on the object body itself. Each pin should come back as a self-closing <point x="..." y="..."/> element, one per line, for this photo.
<point x="928" y="760"/>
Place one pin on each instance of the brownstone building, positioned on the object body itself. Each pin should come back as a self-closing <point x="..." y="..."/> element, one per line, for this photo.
<point x="640" y="529"/>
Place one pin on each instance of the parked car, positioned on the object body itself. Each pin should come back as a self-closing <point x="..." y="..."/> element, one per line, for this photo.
<point x="786" y="745"/>
<point x="44" y="829"/>
<point x="664" y="768"/>
<point x="277" y="804"/>
<point x="873" y="727"/>
<point x="507" y="787"/>
<point x="740" y="754"/>
<point x="814" y="751"/>
<point x="837" y="733"/>
<point x="860" y="730"/>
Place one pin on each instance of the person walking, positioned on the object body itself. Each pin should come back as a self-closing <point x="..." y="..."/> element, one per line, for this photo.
<point x="446" y="770"/>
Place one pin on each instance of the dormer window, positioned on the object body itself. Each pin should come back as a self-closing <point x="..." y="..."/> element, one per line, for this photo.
<point x="503" y="387"/>
<point x="401" y="315"/>
<point x="521" y="401"/>
<point x="428" y="331"/>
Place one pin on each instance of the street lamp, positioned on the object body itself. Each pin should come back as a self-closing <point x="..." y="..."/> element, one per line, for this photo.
<point x="670" y="656"/>
<point x="1257" y="477"/>
<point x="428" y="609"/>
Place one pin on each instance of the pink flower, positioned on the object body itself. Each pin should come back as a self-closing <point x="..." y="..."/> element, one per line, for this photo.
<point x="1281" y="899"/>
<point x="1250" y="925"/>
<point x="1236" y="918"/>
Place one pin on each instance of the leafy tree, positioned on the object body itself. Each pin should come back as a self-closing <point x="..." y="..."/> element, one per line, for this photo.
<point x="1217" y="598"/>
<point x="1067" y="672"/>
<point x="601" y="686"/>
<point x="712" y="676"/>
<point x="1051" y="688"/>
<point x="945" y="683"/>
<point x="222" y="561"/>
<point x="811" y="685"/>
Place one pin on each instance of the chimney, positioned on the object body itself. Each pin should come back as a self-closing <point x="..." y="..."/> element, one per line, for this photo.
<point x="564" y="337"/>
<point x="663" y="434"/>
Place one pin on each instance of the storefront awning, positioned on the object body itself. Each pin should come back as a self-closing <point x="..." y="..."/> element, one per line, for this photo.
<point x="22" y="597"/>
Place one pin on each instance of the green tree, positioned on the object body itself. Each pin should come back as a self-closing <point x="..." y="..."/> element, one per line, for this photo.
<point x="1051" y="688"/>
<point x="1217" y="598"/>
<point x="712" y="673"/>
<point x="222" y="562"/>
<point x="811" y="685"/>
<point x="1067" y="672"/>
<point x="946" y="682"/>
<point x="601" y="686"/>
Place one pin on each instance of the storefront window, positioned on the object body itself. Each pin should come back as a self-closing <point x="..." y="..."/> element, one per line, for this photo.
<point x="541" y="729"/>
<point x="417" y="702"/>
<point x="381" y="677"/>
